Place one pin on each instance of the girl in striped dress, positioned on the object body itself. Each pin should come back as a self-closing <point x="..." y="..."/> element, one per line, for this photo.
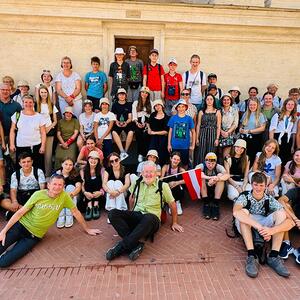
<point x="208" y="128"/>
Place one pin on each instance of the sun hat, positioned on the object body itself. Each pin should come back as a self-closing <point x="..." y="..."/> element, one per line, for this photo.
<point x="69" y="109"/>
<point x="121" y="90"/>
<point x="240" y="143"/>
<point x="181" y="101"/>
<point x="153" y="153"/>
<point x="94" y="154"/>
<point x="104" y="100"/>
<point x="87" y="101"/>
<point x="145" y="89"/>
<point x="119" y="51"/>
<point x="235" y="88"/>
<point x="158" y="101"/>
<point x="23" y="83"/>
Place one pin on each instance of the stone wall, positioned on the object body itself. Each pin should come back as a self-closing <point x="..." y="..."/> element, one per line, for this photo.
<point x="243" y="45"/>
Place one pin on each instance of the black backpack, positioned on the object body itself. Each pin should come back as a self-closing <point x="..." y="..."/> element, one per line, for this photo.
<point x="24" y="195"/>
<point x="260" y="246"/>
<point x="235" y="233"/>
<point x="187" y="78"/>
<point x="159" y="190"/>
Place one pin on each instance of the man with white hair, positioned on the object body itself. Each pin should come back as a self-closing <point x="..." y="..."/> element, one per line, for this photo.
<point x="143" y="220"/>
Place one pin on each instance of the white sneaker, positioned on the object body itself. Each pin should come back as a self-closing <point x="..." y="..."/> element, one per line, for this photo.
<point x="69" y="221"/>
<point x="123" y="155"/>
<point x="61" y="219"/>
<point x="179" y="208"/>
<point x="140" y="158"/>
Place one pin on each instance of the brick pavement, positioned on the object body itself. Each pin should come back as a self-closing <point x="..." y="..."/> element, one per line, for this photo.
<point x="201" y="263"/>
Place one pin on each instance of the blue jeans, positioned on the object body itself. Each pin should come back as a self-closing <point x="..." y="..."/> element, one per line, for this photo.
<point x="24" y="240"/>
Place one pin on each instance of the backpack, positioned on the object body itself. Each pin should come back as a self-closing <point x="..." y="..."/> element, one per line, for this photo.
<point x="234" y="228"/>
<point x="163" y="216"/>
<point x="187" y="78"/>
<point x="24" y="195"/>
<point x="159" y="72"/>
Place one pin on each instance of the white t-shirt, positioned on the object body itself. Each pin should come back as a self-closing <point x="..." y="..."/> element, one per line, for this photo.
<point x="103" y="123"/>
<point x="45" y="113"/>
<point x="195" y="84"/>
<point x="27" y="182"/>
<point x="68" y="84"/>
<point x="270" y="165"/>
<point x="28" y="133"/>
<point x="87" y="122"/>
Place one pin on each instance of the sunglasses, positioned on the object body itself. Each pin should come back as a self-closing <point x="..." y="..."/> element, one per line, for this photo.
<point x="210" y="160"/>
<point x="114" y="160"/>
<point x="46" y="71"/>
<point x="185" y="94"/>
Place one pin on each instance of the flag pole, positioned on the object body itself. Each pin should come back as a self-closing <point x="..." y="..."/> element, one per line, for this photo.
<point x="203" y="176"/>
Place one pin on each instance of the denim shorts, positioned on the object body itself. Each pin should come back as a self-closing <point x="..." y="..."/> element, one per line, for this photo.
<point x="1" y="153"/>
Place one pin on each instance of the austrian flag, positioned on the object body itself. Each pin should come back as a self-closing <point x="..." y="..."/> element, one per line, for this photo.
<point x="193" y="182"/>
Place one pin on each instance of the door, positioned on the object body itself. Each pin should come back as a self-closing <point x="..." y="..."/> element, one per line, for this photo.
<point x="143" y="46"/>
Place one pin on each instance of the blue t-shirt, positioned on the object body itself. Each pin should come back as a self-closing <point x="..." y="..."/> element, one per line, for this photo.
<point x="251" y="122"/>
<point x="95" y="82"/>
<point x="181" y="127"/>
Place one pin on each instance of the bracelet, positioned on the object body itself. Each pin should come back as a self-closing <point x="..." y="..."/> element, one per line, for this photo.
<point x="72" y="96"/>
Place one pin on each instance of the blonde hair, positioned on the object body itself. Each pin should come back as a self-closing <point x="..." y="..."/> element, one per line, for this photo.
<point x="248" y="113"/>
<point x="263" y="157"/>
<point x="39" y="100"/>
<point x="283" y="110"/>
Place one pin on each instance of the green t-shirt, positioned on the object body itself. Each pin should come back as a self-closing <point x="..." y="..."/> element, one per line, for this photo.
<point x="149" y="200"/>
<point x="44" y="211"/>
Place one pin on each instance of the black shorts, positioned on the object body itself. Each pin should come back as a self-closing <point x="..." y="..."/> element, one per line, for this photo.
<point x="118" y="130"/>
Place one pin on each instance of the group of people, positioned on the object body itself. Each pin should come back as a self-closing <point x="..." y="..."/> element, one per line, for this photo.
<point x="247" y="149"/>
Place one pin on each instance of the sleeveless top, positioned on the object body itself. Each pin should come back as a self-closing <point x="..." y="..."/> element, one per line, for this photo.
<point x="93" y="184"/>
<point x="236" y="169"/>
<point x="175" y="177"/>
<point x="209" y="120"/>
<point x="111" y="175"/>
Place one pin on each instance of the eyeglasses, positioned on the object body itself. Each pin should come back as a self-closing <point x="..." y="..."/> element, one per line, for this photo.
<point x="210" y="160"/>
<point x="185" y="94"/>
<point x="114" y="160"/>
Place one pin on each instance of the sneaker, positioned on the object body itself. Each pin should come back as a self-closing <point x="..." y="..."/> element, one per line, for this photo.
<point x="116" y="251"/>
<point x="8" y="215"/>
<point x="140" y="158"/>
<point x="285" y="250"/>
<point x="296" y="252"/>
<point x="69" y="221"/>
<point x="96" y="212"/>
<point x="276" y="263"/>
<point x="136" y="252"/>
<point x="88" y="214"/>
<point x="179" y="208"/>
<point x="251" y="266"/>
<point x="206" y="211"/>
<point x="123" y="155"/>
<point x="108" y="221"/>
<point x="61" y="219"/>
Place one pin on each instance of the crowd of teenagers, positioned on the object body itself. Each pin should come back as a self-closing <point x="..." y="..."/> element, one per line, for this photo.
<point x="247" y="147"/>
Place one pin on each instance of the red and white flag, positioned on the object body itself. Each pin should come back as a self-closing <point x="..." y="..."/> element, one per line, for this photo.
<point x="193" y="182"/>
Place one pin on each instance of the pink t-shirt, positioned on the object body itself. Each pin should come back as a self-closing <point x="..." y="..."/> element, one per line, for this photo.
<point x="297" y="170"/>
<point x="85" y="152"/>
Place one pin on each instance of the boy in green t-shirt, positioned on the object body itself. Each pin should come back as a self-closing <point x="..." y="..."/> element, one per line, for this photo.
<point x="30" y="223"/>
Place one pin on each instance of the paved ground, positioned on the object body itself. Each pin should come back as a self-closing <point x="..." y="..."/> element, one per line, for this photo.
<point x="201" y="263"/>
